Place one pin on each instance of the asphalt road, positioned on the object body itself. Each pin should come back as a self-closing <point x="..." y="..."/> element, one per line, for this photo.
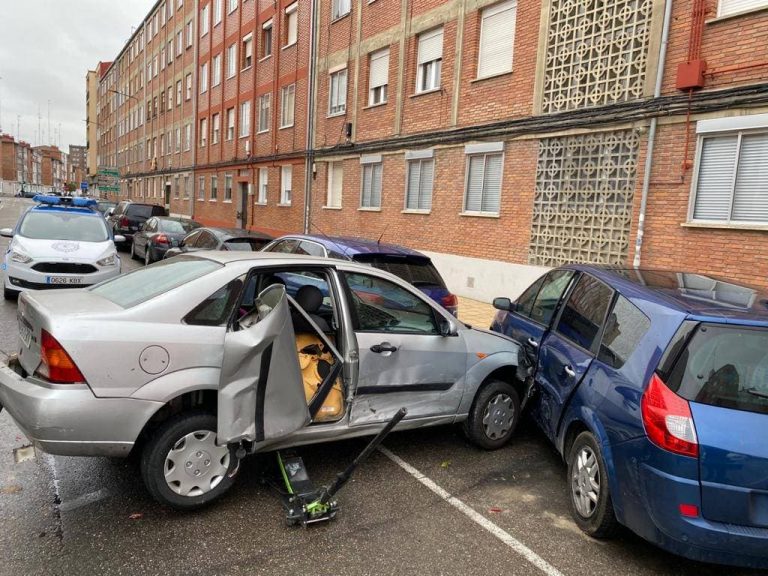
<point x="63" y="515"/>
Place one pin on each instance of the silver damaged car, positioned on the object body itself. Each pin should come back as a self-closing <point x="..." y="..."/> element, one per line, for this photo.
<point x="197" y="360"/>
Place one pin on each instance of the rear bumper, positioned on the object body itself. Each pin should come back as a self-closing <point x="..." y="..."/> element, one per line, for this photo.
<point x="69" y="420"/>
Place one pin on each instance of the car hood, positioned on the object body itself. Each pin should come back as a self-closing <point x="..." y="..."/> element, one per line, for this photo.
<point x="62" y="250"/>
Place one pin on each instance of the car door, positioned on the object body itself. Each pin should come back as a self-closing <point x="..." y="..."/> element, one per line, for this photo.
<point x="403" y="358"/>
<point x="569" y="348"/>
<point x="140" y="238"/>
<point x="261" y="393"/>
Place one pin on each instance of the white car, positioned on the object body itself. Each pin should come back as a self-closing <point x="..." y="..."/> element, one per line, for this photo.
<point x="58" y="244"/>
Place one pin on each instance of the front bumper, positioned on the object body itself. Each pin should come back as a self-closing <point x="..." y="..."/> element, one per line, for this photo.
<point x="21" y="277"/>
<point x="67" y="419"/>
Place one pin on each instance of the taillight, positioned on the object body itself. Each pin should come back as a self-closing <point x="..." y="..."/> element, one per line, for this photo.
<point x="57" y="366"/>
<point x="449" y="301"/>
<point x="668" y="420"/>
<point x="124" y="222"/>
<point x="161" y="239"/>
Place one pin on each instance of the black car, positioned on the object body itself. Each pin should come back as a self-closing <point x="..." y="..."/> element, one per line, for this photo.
<point x="157" y="235"/>
<point x="220" y="239"/>
<point x="128" y="216"/>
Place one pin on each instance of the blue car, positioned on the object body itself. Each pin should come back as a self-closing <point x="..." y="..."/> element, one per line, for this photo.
<point x="410" y="265"/>
<point x="654" y="388"/>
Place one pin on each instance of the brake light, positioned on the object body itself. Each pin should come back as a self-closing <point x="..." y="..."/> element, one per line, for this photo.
<point x="668" y="420"/>
<point x="161" y="239"/>
<point x="449" y="301"/>
<point x="124" y="222"/>
<point x="57" y="366"/>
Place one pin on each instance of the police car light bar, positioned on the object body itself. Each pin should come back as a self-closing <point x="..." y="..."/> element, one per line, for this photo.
<point x="76" y="202"/>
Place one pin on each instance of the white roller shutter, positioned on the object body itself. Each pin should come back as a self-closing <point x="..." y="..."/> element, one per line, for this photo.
<point x="733" y="6"/>
<point x="484" y="183"/>
<point x="379" y="73"/>
<point x="497" y="39"/>
<point x="715" y="179"/>
<point x="431" y="46"/>
<point x="750" y="201"/>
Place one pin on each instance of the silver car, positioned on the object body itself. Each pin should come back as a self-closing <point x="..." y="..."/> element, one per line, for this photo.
<point x="194" y="362"/>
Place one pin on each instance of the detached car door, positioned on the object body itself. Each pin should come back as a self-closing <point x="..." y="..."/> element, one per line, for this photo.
<point x="261" y="392"/>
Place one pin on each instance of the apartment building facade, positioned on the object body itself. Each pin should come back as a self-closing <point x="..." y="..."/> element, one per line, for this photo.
<point x="21" y="166"/>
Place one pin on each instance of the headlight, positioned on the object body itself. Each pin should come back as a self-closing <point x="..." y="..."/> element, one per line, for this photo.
<point x="108" y="261"/>
<point x="20" y="257"/>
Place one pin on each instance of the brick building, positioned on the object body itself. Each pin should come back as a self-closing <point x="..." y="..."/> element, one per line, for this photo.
<point x="20" y="166"/>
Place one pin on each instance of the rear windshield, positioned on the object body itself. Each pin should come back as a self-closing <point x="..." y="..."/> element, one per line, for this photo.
<point x="178" y="226"/>
<point x="62" y="225"/>
<point x="417" y="271"/>
<point x="139" y="210"/>
<point x="245" y="244"/>
<point x="147" y="283"/>
<point x="724" y="366"/>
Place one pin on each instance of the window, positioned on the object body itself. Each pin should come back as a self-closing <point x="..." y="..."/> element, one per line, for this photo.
<point x="177" y="147"/>
<point x="190" y="34"/>
<point x="727" y="7"/>
<point x="335" y="184"/>
<point x="291" y="24"/>
<point x="266" y="39"/>
<point x="203" y="131"/>
<point x="418" y="193"/>
<point x="169" y="98"/>
<point x="483" y="193"/>
<point x="230" y="123"/>
<point x="584" y="312"/>
<point x="162" y="14"/>
<point x="263" y="185"/>
<point x="179" y="43"/>
<point x="216" y="70"/>
<point x="188" y="80"/>
<point x="169" y="52"/>
<point x="378" y="77"/>
<point x="201" y="188"/>
<point x="246" y="52"/>
<point x="162" y="59"/>
<point x="381" y="306"/>
<point x="340" y="8"/>
<point x="215" y="128"/>
<point x="178" y="93"/>
<point x="497" y="39"/>
<point x="245" y="119"/>
<point x="337" y="93"/>
<point x="730" y="181"/>
<point x="430" y="60"/>
<point x="216" y="12"/>
<point x="204" y="16"/>
<point x="187" y="136"/>
<point x="214" y="187"/>
<point x="162" y="101"/>
<point x="231" y="60"/>
<point x="264" y="105"/>
<point x="203" y="78"/>
<point x="624" y="328"/>
<point x="370" y="196"/>
<point x="231" y="6"/>
<point x="286" y="180"/>
<point x="286" y="103"/>
<point x="228" y="188"/>
<point x="540" y="301"/>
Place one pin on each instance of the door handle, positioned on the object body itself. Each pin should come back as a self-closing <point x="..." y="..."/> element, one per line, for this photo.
<point x="570" y="372"/>
<point x="532" y="343"/>
<point x="383" y="347"/>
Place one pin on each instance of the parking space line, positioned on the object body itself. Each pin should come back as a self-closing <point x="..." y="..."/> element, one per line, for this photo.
<point x="476" y="517"/>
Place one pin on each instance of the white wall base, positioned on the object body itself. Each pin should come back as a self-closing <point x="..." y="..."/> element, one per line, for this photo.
<point x="482" y="279"/>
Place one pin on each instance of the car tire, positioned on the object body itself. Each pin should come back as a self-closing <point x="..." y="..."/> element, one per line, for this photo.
<point x="589" y="497"/>
<point x="10" y="294"/>
<point x="187" y="440"/>
<point x="494" y="415"/>
<point x="148" y="255"/>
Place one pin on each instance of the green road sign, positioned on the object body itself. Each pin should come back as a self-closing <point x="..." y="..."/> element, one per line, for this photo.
<point x="109" y="188"/>
<point x="109" y="172"/>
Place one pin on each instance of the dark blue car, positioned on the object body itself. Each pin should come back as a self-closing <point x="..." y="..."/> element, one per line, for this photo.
<point x="654" y="388"/>
<point x="410" y="265"/>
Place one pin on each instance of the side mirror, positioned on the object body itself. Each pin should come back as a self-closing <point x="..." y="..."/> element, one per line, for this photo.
<point x="119" y="239"/>
<point x="446" y="327"/>
<point x="504" y="304"/>
<point x="6" y="232"/>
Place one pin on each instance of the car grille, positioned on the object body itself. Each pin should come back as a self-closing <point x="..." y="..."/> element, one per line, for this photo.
<point x="64" y="268"/>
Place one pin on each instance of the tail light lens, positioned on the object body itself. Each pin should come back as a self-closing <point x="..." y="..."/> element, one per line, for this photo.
<point x="161" y="239"/>
<point x="668" y="420"/>
<point x="57" y="366"/>
<point x="124" y="222"/>
<point x="449" y="301"/>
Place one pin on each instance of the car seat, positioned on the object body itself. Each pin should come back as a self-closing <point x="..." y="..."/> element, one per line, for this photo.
<point x="310" y="298"/>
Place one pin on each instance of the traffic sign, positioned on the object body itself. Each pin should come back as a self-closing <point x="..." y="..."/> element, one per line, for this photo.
<point x="84" y="186"/>
<point x="109" y="172"/>
<point x="109" y="188"/>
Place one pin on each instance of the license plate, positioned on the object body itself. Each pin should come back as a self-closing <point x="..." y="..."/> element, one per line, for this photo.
<point x="25" y="333"/>
<point x="65" y="280"/>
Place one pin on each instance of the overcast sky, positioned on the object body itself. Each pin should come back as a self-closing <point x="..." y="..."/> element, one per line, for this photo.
<point x="46" y="49"/>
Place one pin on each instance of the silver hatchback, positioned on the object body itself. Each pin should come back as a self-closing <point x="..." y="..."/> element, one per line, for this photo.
<point x="198" y="360"/>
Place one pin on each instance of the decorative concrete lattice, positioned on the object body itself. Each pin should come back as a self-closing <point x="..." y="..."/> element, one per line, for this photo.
<point x="596" y="53"/>
<point x="582" y="210"/>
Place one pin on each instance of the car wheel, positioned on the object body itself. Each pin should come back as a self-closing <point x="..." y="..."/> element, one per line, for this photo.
<point x="10" y="294"/>
<point x="183" y="467"/>
<point x="590" y="498"/>
<point x="147" y="255"/>
<point x="494" y="415"/>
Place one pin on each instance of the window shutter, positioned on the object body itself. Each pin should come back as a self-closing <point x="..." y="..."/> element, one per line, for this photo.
<point x="492" y="184"/>
<point x="425" y="185"/>
<point x="431" y="46"/>
<point x="497" y="39"/>
<point x="337" y="180"/>
<point x="475" y="183"/>
<point x="376" y="186"/>
<point x="750" y="202"/>
<point x="733" y="6"/>
<point x="716" y="165"/>
<point x="379" y="69"/>
<point x="414" y="176"/>
<point x="365" y="201"/>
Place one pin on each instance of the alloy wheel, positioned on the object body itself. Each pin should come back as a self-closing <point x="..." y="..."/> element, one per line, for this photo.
<point x="585" y="482"/>
<point x="196" y="465"/>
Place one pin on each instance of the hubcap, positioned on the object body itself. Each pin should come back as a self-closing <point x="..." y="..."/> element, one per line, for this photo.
<point x="585" y="482"/>
<point x="499" y="416"/>
<point x="195" y="465"/>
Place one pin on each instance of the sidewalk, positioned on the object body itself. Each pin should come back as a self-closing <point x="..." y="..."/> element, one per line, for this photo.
<point x="478" y="314"/>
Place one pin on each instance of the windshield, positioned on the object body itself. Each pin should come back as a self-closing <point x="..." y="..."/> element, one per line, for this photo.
<point x="147" y="283"/>
<point x="178" y="226"/>
<point x="63" y="225"/>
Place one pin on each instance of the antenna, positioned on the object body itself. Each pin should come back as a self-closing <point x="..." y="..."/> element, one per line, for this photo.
<point x="382" y="235"/>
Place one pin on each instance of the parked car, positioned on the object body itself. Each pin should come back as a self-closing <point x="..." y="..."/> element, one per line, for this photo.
<point x="220" y="239"/>
<point x="157" y="235"/>
<point x="106" y="207"/>
<point x="410" y="265"/>
<point x="58" y="243"/>
<point x="206" y="362"/>
<point x="127" y="216"/>
<point x="654" y="388"/>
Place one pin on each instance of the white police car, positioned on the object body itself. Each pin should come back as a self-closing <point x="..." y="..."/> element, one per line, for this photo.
<point x="59" y="243"/>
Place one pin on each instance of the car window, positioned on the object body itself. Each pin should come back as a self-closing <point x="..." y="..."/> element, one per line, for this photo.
<point x="285" y="246"/>
<point x="524" y="303"/>
<point x="245" y="244"/>
<point x="120" y="208"/>
<point x="150" y="225"/>
<point x="217" y="308"/>
<point x="207" y="241"/>
<point x="63" y="225"/>
<point x="415" y="270"/>
<point x="191" y="239"/>
<point x="310" y="248"/>
<point x="176" y="226"/>
<point x="553" y="288"/>
<point x="625" y="327"/>
<point x="724" y="366"/>
<point x="381" y="306"/>
<point x="158" y="211"/>
<point x="139" y="210"/>
<point x="584" y="312"/>
<point x="146" y="283"/>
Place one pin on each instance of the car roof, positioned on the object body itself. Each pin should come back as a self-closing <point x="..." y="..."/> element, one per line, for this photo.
<point x="702" y="296"/>
<point x="351" y="246"/>
<point x="229" y="233"/>
<point x="68" y="209"/>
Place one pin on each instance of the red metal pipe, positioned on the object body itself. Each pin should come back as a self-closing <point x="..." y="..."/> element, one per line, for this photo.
<point x="735" y="68"/>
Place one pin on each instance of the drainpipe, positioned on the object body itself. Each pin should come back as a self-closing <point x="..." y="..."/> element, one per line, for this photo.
<point x="195" y="66"/>
<point x="311" y="92"/>
<point x="652" y="134"/>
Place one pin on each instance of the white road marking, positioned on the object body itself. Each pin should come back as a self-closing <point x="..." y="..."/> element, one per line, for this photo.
<point x="476" y="517"/>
